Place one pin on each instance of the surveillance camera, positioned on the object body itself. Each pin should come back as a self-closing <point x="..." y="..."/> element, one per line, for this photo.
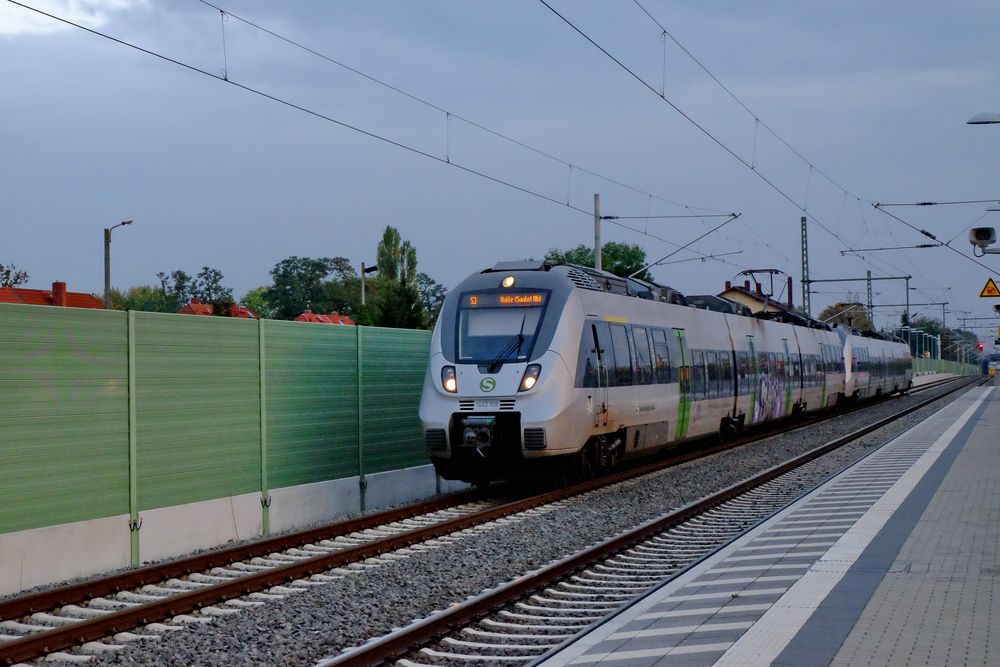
<point x="982" y="236"/>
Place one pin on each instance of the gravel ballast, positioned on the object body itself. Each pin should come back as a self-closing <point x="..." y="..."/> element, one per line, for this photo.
<point x="323" y="620"/>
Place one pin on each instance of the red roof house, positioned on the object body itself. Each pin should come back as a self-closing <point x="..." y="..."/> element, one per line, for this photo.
<point x="57" y="296"/>
<point x="196" y="307"/>
<point x="332" y="318"/>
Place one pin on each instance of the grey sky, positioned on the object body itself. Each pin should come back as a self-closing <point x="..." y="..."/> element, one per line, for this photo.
<point x="876" y="95"/>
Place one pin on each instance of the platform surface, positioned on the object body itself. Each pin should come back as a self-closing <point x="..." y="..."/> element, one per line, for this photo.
<point x="893" y="562"/>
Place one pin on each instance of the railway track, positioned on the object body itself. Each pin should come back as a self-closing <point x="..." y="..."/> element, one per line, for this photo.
<point x="98" y="615"/>
<point x="522" y="620"/>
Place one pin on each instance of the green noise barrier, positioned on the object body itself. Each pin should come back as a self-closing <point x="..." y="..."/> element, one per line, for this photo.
<point x="104" y="413"/>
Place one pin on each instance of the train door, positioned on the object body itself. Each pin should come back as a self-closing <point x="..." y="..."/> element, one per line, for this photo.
<point x="752" y="372"/>
<point x="788" y="377"/>
<point x="684" y="385"/>
<point x="602" y="353"/>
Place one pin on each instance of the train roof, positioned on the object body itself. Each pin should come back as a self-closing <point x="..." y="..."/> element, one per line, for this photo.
<point x="587" y="277"/>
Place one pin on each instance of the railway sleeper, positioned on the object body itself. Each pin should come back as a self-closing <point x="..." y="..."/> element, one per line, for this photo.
<point x="583" y="621"/>
<point x="574" y="604"/>
<point x="505" y="648"/>
<point x="519" y="636"/>
<point x="556" y="629"/>
<point x="463" y="659"/>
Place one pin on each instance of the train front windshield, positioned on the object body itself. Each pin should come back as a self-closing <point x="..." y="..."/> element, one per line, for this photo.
<point x="498" y="327"/>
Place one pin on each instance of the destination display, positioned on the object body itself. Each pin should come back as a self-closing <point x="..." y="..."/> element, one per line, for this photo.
<point x="504" y="299"/>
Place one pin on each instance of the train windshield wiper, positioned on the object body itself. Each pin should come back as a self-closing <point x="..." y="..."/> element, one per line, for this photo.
<point x="512" y="345"/>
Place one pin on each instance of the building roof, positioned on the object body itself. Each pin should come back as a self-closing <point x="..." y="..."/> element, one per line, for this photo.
<point x="196" y="307"/>
<point x="332" y="318"/>
<point x="57" y="296"/>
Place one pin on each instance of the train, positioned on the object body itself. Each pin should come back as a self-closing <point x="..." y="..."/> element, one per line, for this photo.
<point x="542" y="368"/>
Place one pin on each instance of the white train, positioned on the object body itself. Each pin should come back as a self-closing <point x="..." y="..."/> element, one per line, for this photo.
<point x="535" y="366"/>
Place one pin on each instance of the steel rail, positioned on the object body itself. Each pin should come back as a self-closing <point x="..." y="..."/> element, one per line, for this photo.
<point x="56" y="639"/>
<point x="405" y="640"/>
<point x="82" y="591"/>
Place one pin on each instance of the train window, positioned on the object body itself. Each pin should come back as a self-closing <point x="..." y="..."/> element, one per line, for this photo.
<point x="743" y="370"/>
<point x="762" y="363"/>
<point x="643" y="360"/>
<point x="712" y="362"/>
<point x="623" y="356"/>
<point x="489" y="334"/>
<point x="725" y="374"/>
<point x="605" y="356"/>
<point x="661" y="356"/>
<point x="588" y="362"/>
<point x="774" y="365"/>
<point x="697" y="375"/>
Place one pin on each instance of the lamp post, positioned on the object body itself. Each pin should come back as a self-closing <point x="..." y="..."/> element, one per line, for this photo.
<point x="364" y="270"/>
<point x="984" y="119"/>
<point x="107" y="261"/>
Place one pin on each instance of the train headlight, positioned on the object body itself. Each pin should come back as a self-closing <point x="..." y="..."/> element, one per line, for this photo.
<point x="531" y="374"/>
<point x="449" y="380"/>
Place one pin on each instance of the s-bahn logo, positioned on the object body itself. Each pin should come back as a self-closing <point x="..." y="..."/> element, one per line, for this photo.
<point x="487" y="384"/>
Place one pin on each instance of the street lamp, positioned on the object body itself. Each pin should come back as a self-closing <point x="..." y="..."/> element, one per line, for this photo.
<point x="984" y="119"/>
<point x="365" y="270"/>
<point x="107" y="261"/>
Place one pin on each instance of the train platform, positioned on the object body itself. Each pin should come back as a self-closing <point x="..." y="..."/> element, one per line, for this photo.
<point x="892" y="562"/>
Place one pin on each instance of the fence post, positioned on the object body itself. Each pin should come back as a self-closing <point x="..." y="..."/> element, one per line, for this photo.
<point x="265" y="497"/>
<point x="133" y="454"/>
<point x="362" y="483"/>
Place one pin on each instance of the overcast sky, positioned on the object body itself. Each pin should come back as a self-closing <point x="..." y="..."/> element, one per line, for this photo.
<point x="874" y="95"/>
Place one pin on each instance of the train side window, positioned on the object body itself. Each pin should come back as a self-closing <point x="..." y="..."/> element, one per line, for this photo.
<point x="623" y="356"/>
<point x="674" y="346"/>
<point x="697" y="374"/>
<point x="643" y="360"/>
<point x="712" y="362"/>
<point x="743" y="370"/>
<point x="725" y="374"/>
<point x="774" y="366"/>
<point x="661" y="356"/>
<point x="588" y="361"/>
<point x="762" y="364"/>
<point x="605" y="356"/>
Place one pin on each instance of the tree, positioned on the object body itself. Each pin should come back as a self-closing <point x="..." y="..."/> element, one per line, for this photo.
<point x="176" y="290"/>
<point x="432" y="294"/>
<point x="396" y="258"/>
<point x="207" y="287"/>
<point x="256" y="300"/>
<point x="621" y="259"/>
<point x="399" y="306"/>
<point x="11" y="277"/>
<point x="298" y="285"/>
<point x="850" y="313"/>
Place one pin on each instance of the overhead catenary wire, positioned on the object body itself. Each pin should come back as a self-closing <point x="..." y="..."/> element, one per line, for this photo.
<point x="934" y="238"/>
<point x="757" y="120"/>
<point x="938" y="203"/>
<point x="774" y="186"/>
<point x="345" y="125"/>
<point x="802" y="207"/>
<point x="451" y="115"/>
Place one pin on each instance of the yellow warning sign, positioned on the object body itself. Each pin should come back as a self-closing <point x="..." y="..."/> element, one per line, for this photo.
<point x="990" y="289"/>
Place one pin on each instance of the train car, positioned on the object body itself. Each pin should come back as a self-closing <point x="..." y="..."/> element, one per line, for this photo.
<point x="536" y="367"/>
<point x="874" y="364"/>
